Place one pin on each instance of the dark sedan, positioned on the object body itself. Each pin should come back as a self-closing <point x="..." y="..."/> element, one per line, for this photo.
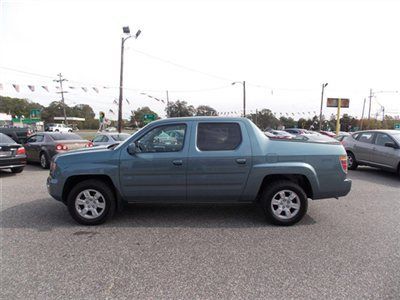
<point x="12" y="155"/>
<point x="41" y="147"/>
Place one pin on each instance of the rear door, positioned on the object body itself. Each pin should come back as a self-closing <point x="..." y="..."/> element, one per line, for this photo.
<point x="33" y="146"/>
<point x="385" y="156"/>
<point x="363" y="147"/>
<point x="219" y="161"/>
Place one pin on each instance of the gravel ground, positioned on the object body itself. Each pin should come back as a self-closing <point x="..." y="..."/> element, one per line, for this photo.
<point x="347" y="248"/>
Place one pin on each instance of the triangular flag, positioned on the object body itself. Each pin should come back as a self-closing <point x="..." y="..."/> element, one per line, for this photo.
<point x="57" y="87"/>
<point x="95" y="89"/>
<point x="115" y="102"/>
<point x="84" y="89"/>
<point x="45" y="87"/>
<point x="127" y="101"/>
<point x="71" y="87"/>
<point x="111" y="111"/>
<point x="31" y="87"/>
<point x="1" y="86"/>
<point x="16" y="87"/>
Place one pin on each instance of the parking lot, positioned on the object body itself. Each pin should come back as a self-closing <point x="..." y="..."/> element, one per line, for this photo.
<point x="347" y="248"/>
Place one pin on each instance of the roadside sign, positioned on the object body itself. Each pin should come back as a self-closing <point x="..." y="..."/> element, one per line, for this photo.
<point x="35" y="114"/>
<point x="397" y="126"/>
<point x="333" y="102"/>
<point x="148" y="118"/>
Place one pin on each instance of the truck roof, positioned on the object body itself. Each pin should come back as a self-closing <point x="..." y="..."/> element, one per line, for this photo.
<point x="203" y="118"/>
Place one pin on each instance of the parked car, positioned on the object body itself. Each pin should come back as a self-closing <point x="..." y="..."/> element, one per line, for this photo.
<point x="12" y="154"/>
<point x="341" y="136"/>
<point x="296" y="131"/>
<point x="218" y="160"/>
<point x="57" y="127"/>
<point x="106" y="138"/>
<point x="281" y="134"/>
<point x="42" y="146"/>
<point x="18" y="134"/>
<point x="375" y="148"/>
<point x="328" y="133"/>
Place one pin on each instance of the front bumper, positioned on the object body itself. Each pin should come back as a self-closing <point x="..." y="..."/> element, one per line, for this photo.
<point x="54" y="188"/>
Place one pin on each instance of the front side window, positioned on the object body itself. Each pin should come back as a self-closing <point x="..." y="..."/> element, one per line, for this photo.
<point x="218" y="136"/>
<point x="168" y="138"/>
<point x="39" y="138"/>
<point x="382" y="139"/>
<point x="366" y="137"/>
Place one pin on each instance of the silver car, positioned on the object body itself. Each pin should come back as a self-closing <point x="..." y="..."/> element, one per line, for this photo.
<point x="109" y="138"/>
<point x="375" y="148"/>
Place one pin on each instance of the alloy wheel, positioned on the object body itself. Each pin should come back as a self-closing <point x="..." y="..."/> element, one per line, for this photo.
<point x="285" y="204"/>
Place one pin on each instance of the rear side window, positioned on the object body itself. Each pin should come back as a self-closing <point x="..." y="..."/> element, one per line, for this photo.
<point x="218" y="136"/>
<point x="366" y="137"/>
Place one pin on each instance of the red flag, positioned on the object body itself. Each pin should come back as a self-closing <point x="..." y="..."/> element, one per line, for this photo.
<point x="31" y="87"/>
<point x="45" y="87"/>
<point x="16" y="87"/>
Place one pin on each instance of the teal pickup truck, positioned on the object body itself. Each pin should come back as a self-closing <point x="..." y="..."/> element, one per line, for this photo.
<point x="200" y="160"/>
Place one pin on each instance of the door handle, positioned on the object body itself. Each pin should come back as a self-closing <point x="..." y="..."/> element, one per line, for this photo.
<point x="177" y="162"/>
<point x="241" y="161"/>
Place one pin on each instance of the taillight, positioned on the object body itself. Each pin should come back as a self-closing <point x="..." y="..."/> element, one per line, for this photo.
<point x="21" y="151"/>
<point x="343" y="162"/>
<point x="61" y="147"/>
<point x="90" y="144"/>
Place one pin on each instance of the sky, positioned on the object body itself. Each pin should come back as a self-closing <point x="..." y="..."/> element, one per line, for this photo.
<point x="284" y="50"/>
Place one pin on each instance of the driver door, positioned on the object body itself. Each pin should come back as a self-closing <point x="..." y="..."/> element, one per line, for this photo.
<point x="156" y="172"/>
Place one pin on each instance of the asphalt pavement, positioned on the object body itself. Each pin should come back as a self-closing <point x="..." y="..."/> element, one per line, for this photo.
<point x="343" y="249"/>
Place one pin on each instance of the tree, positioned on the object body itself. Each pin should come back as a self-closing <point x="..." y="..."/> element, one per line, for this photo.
<point x="180" y="109"/>
<point x="205" y="110"/>
<point x="17" y="107"/>
<point x="287" y="122"/>
<point x="137" y="118"/>
<point x="265" y="119"/>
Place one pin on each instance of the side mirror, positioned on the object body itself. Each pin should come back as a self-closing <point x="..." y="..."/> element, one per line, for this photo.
<point x="132" y="149"/>
<point x="391" y="145"/>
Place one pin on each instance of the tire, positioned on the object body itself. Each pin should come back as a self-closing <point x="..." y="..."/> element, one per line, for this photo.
<point x="352" y="163"/>
<point x="82" y="208"/>
<point x="69" y="130"/>
<point x="56" y="130"/>
<point x="17" y="170"/>
<point x="272" y="200"/>
<point x="44" y="160"/>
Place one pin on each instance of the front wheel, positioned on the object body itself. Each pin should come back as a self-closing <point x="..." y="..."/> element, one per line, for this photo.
<point x="91" y="202"/>
<point x="284" y="202"/>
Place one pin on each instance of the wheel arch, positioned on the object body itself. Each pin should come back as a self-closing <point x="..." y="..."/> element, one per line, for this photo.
<point x="299" y="179"/>
<point x="73" y="180"/>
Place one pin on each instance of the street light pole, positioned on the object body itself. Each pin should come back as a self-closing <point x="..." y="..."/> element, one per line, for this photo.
<point x="121" y="74"/>
<point x="244" y="95"/>
<point x="322" y="104"/>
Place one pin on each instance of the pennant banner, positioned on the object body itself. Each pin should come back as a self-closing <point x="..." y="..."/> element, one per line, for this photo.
<point x="84" y="89"/>
<point x="31" y="87"/>
<point x="45" y="87"/>
<point x="1" y="86"/>
<point x="16" y="87"/>
<point x="95" y="89"/>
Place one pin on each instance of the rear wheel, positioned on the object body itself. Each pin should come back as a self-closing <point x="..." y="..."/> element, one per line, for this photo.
<point x="44" y="160"/>
<point x="91" y="202"/>
<point x="351" y="161"/>
<point x="17" y="170"/>
<point x="284" y="202"/>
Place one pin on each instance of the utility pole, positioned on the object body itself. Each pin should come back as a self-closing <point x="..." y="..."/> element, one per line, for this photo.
<point x="322" y="104"/>
<point x="167" y="104"/>
<point x="362" y="115"/>
<point x="60" y="81"/>
<point x="369" y="109"/>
